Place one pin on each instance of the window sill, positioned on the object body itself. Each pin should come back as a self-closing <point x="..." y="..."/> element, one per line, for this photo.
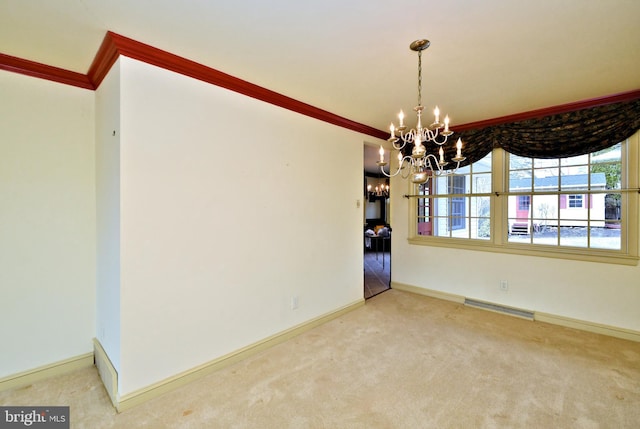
<point x="571" y="253"/>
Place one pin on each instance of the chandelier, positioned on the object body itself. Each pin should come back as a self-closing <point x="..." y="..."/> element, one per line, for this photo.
<point x="381" y="190"/>
<point x="421" y="165"/>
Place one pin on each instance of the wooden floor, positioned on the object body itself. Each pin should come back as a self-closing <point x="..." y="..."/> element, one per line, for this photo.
<point x="376" y="276"/>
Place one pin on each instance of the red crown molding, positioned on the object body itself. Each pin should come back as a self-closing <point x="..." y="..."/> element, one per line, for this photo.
<point x="43" y="71"/>
<point x="106" y="56"/>
<point x="115" y="45"/>
<point x="553" y="110"/>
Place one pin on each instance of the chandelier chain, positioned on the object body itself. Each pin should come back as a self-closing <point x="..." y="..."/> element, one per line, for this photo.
<point x="419" y="78"/>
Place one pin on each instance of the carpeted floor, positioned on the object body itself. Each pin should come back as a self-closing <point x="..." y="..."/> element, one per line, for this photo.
<point x="400" y="361"/>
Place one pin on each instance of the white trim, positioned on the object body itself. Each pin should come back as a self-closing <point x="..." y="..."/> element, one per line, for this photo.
<point x="611" y="331"/>
<point x="145" y="394"/>
<point x="428" y="292"/>
<point x="31" y="376"/>
<point x="107" y="371"/>
<point x="582" y="325"/>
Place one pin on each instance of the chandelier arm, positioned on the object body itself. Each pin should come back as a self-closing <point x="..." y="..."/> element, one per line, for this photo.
<point x="430" y="134"/>
<point x="407" y="137"/>
<point x="409" y="161"/>
<point x="431" y="157"/>
<point x="400" y="168"/>
<point x="399" y="146"/>
<point x="439" y="142"/>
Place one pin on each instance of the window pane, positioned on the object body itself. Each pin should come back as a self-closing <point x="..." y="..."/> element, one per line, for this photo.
<point x="609" y="163"/>
<point x="483" y="228"/>
<point x="577" y="177"/>
<point x="424" y="216"/>
<point x="441" y="187"/>
<point x="481" y="183"/>
<point x="573" y="236"/>
<point x="480" y="208"/>
<point x="463" y="170"/>
<point x="519" y="230"/>
<point x="520" y="181"/>
<point x="483" y="165"/>
<point x="605" y="238"/>
<point x="575" y="160"/>
<point x="612" y="209"/>
<point x="519" y="163"/>
<point x="544" y="163"/>
<point x="544" y="208"/>
<point x="546" y="179"/>
<point x="546" y="233"/>
<point x="610" y="154"/>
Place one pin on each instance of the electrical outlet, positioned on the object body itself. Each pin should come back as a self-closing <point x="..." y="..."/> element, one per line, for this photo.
<point x="504" y="285"/>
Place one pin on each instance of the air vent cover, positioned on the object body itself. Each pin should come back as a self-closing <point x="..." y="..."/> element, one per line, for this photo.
<point x="525" y="314"/>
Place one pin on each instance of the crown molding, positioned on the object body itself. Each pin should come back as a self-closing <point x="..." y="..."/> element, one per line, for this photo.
<point x="114" y="45"/>
<point x="553" y="110"/>
<point x="43" y="71"/>
<point x="106" y="56"/>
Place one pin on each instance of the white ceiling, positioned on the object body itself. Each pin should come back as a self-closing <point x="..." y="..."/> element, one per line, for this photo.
<point x="487" y="58"/>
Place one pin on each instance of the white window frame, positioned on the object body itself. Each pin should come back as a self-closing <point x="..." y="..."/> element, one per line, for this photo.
<point x="627" y="255"/>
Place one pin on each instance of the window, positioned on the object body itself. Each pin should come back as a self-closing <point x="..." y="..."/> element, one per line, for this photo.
<point x="456" y="206"/>
<point x="524" y="202"/>
<point x="456" y="186"/>
<point x="575" y="201"/>
<point x="581" y="207"/>
<point x="557" y="216"/>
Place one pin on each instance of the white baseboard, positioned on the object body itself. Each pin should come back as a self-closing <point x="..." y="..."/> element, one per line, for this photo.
<point x="428" y="292"/>
<point x="57" y="368"/>
<point x="583" y="325"/>
<point x="130" y="400"/>
<point x="612" y="331"/>
<point x="107" y="371"/>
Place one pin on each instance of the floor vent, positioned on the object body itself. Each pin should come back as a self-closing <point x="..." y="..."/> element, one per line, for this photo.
<point x="500" y="309"/>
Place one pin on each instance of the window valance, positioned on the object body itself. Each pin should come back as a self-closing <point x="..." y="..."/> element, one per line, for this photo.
<point x="554" y="136"/>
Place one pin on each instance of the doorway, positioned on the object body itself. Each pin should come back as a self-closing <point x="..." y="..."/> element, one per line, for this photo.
<point x="377" y="227"/>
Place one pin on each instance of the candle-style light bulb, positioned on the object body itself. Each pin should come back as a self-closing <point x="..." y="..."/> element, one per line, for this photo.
<point x="459" y="148"/>
<point x="446" y="123"/>
<point x="393" y="130"/>
<point x="436" y="112"/>
<point x="401" y="118"/>
<point x="381" y="154"/>
<point x="441" y="155"/>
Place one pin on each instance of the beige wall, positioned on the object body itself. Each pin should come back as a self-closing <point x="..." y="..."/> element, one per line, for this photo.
<point x="229" y="207"/>
<point x="47" y="222"/>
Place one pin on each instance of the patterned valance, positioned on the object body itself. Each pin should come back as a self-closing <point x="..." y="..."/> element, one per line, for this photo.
<point x="554" y="136"/>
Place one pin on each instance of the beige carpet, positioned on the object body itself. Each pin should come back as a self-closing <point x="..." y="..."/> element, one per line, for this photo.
<point x="401" y="361"/>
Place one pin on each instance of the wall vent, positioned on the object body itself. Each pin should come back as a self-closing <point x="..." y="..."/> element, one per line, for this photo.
<point x="525" y="314"/>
